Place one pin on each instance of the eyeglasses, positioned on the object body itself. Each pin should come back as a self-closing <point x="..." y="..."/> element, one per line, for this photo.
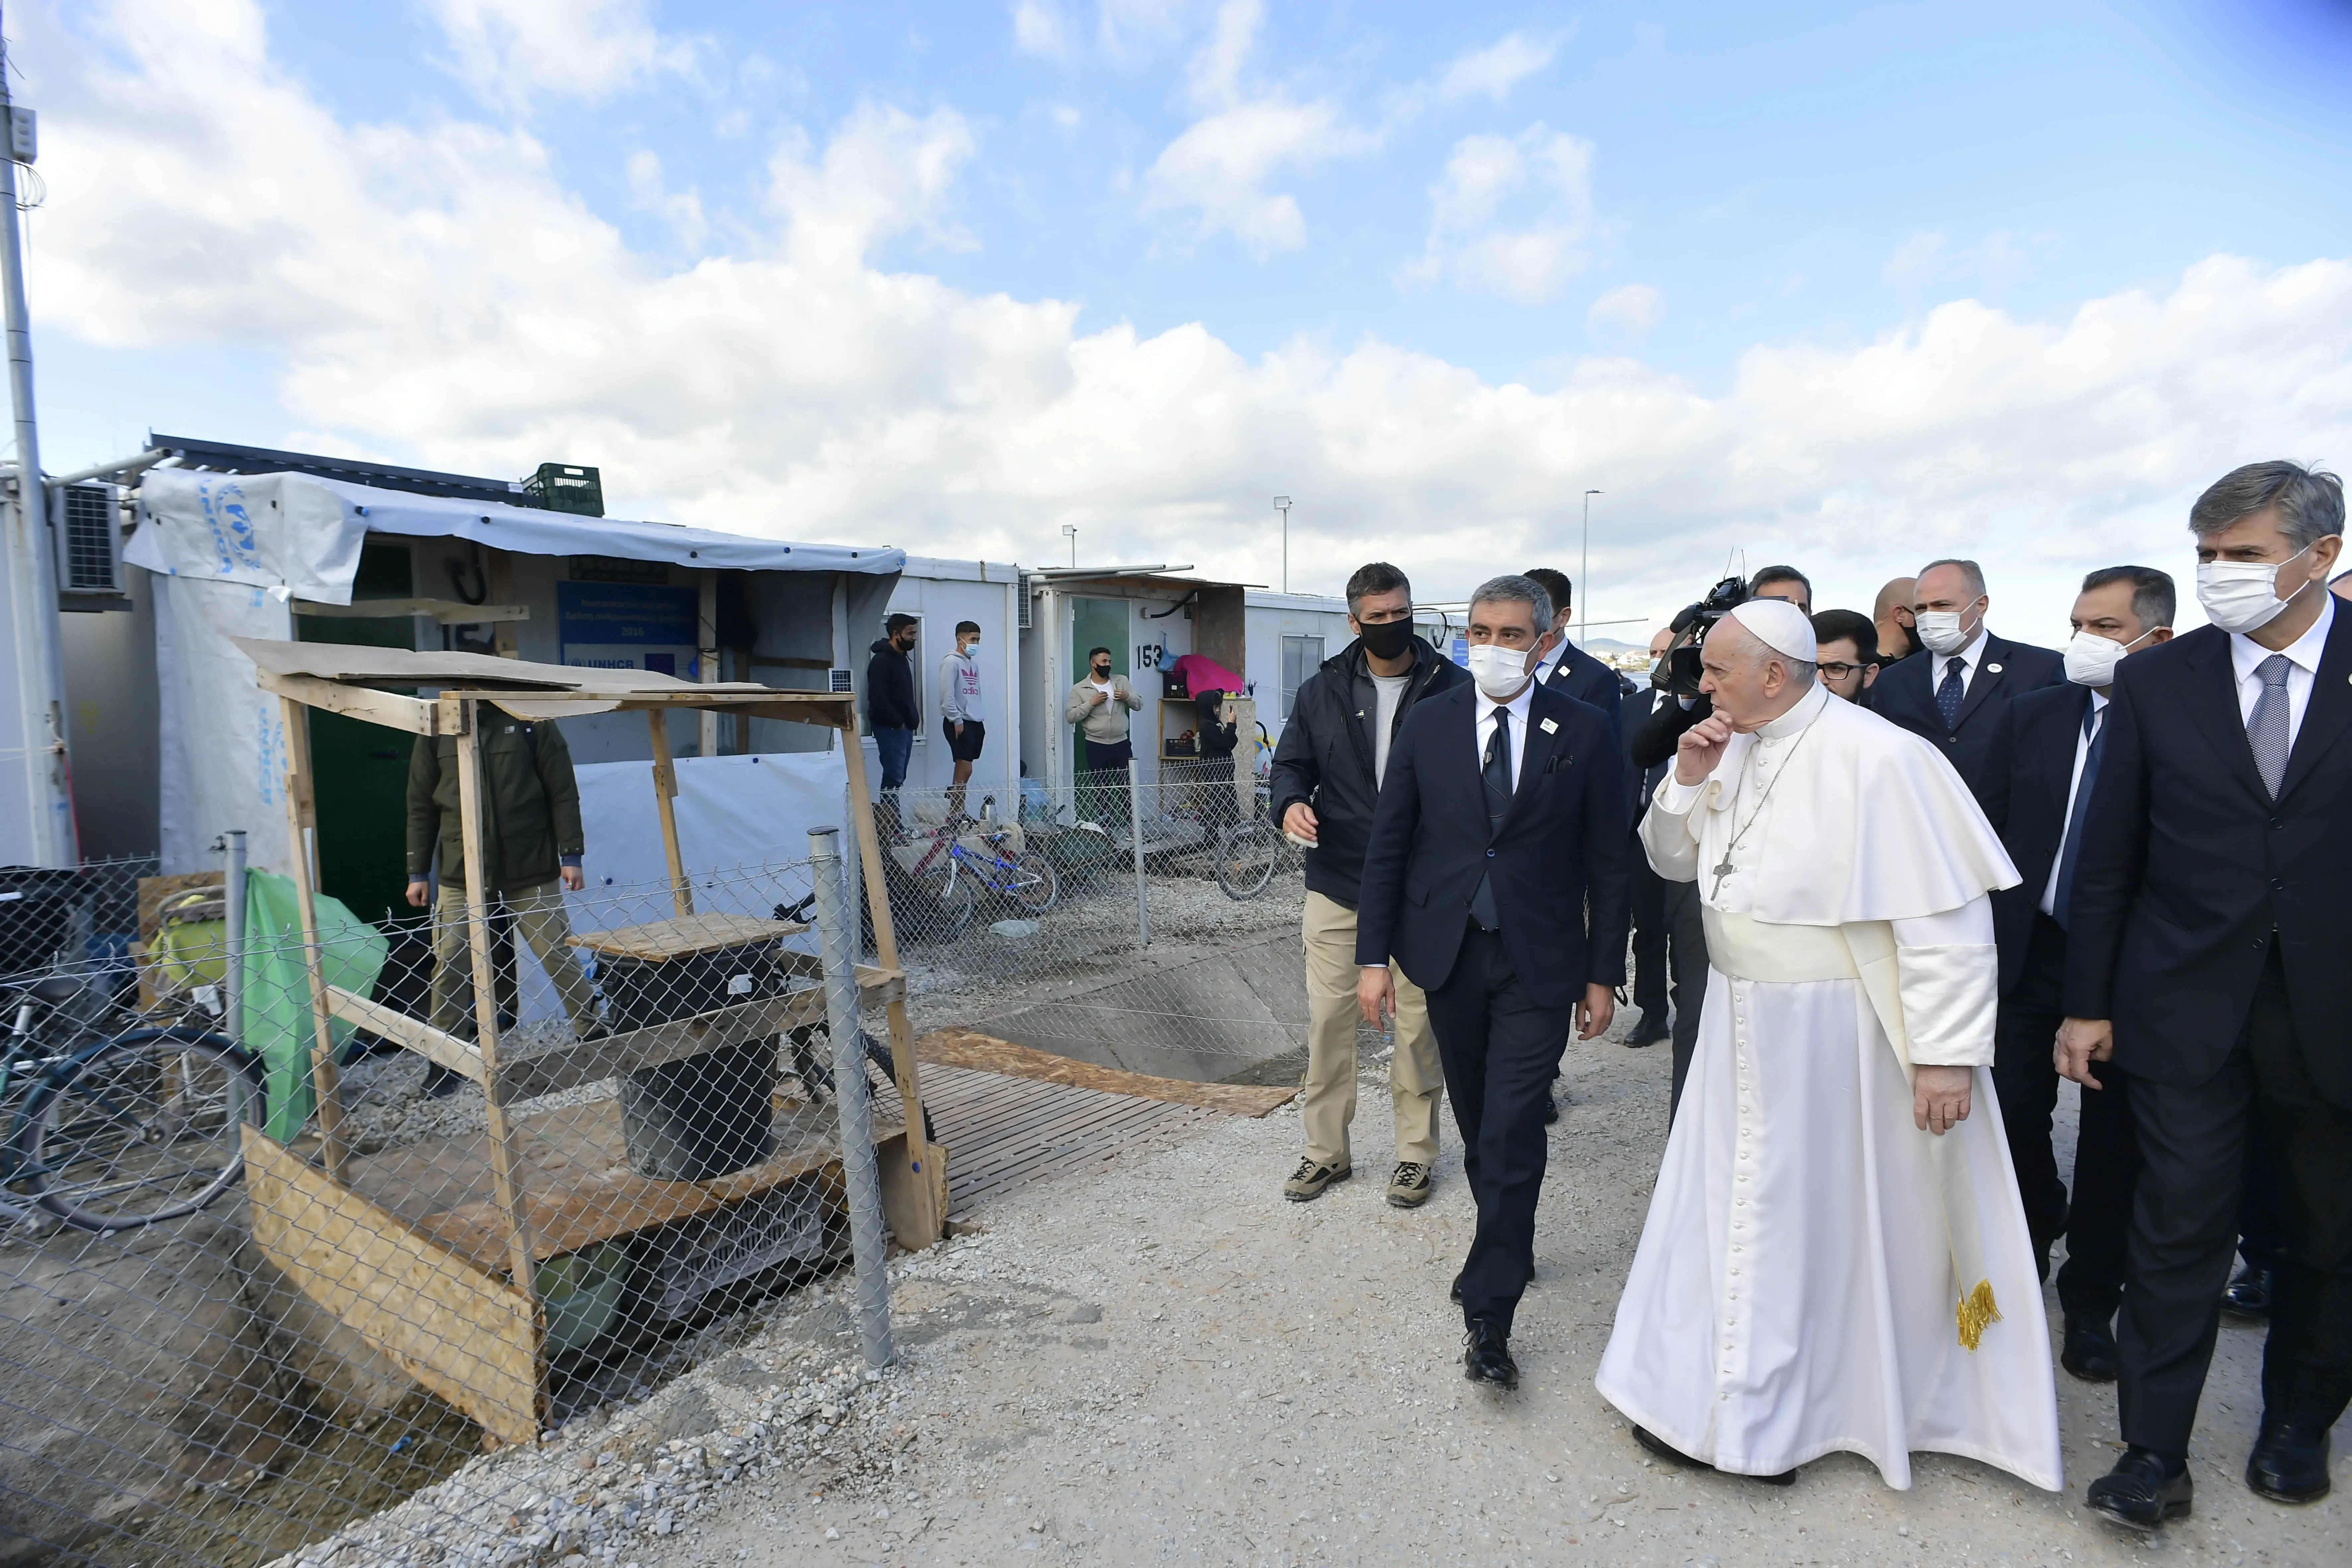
<point x="1840" y="671"/>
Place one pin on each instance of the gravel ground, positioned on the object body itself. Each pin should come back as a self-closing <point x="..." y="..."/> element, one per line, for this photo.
<point x="1171" y="1363"/>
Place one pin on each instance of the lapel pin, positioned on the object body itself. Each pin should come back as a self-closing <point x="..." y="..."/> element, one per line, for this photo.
<point x="1992" y="669"/>
<point x="1551" y="726"/>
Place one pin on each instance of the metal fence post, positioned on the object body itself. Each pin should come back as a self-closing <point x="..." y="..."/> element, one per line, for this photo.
<point x="837" y="943"/>
<point x="233" y="898"/>
<point x="1135" y="837"/>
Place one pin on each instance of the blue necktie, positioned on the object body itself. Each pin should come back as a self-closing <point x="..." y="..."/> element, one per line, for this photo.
<point x="1496" y="775"/>
<point x="2096" y="734"/>
<point x="1948" y="695"/>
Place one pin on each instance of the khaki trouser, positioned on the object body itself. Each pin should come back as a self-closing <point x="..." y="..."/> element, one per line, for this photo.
<point x="1415" y="1079"/>
<point x="540" y="921"/>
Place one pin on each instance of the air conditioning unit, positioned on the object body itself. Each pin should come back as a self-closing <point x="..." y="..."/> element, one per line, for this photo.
<point x="1028" y="605"/>
<point x="90" y="547"/>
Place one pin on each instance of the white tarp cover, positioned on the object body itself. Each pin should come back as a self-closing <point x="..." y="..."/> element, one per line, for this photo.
<point x="742" y="831"/>
<point x="222" y="743"/>
<point x="300" y="535"/>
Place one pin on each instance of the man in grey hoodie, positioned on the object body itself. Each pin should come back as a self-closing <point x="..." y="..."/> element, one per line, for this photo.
<point x="959" y="709"/>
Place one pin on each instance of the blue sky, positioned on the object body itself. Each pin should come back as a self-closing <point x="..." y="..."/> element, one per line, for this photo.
<point x="1788" y="280"/>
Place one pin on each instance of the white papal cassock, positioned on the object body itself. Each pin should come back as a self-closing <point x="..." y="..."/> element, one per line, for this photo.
<point x="1795" y="1289"/>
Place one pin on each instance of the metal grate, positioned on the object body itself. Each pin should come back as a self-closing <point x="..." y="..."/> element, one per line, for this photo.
<point x="90" y="543"/>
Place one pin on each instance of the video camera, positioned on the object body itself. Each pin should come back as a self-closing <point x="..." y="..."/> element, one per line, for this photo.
<point x="1679" y="671"/>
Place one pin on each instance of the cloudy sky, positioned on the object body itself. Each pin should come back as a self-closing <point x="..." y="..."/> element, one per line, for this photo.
<point x="1846" y="285"/>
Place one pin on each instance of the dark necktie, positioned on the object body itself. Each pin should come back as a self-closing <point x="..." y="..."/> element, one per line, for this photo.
<point x="1496" y="775"/>
<point x="2266" y="726"/>
<point x="1948" y="695"/>
<point x="2096" y="732"/>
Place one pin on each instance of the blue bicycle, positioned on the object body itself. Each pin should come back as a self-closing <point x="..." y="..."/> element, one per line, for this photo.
<point x="949" y="879"/>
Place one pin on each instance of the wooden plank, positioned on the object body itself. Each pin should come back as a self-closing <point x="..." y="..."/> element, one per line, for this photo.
<point x="301" y="820"/>
<point x="505" y="1189"/>
<point x="905" y="1209"/>
<point x="886" y="950"/>
<point x="413" y="714"/>
<point x="420" y="1037"/>
<point x="501" y="589"/>
<point x="681" y="889"/>
<point x="706" y="656"/>
<point x="569" y="1065"/>
<point x="465" y="1335"/>
<point x="657" y="941"/>
<point x="449" y="612"/>
<point x="971" y="1048"/>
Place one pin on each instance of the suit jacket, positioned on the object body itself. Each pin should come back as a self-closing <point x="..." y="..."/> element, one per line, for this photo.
<point x="1905" y="695"/>
<point x="2043" y="728"/>
<point x="1563" y="842"/>
<point x="1580" y="675"/>
<point x="2188" y="871"/>
<point x="1641" y="783"/>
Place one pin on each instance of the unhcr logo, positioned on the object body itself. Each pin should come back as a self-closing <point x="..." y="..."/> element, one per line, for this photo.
<point x="234" y="542"/>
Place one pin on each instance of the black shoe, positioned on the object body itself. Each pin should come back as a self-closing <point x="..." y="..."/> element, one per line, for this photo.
<point x="441" y="1082"/>
<point x="1649" y="1031"/>
<point x="1674" y="1456"/>
<point x="2138" y="1492"/>
<point x="1486" y="1355"/>
<point x="2090" y="1351"/>
<point x="1551" y="1108"/>
<point x="2249" y="1295"/>
<point x="2289" y="1463"/>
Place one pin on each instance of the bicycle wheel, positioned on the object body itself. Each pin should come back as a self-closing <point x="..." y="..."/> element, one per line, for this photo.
<point x="1037" y="886"/>
<point x="942" y="903"/>
<point x="1245" y="860"/>
<point x="144" y="1128"/>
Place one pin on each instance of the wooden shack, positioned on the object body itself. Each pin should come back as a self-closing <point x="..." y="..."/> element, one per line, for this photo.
<point x="433" y="1255"/>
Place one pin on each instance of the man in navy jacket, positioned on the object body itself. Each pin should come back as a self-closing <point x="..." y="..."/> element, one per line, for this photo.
<point x="1567" y="669"/>
<point x="2206" y="963"/>
<point x="2053" y="745"/>
<point x="1953" y="693"/>
<point x="1496" y="875"/>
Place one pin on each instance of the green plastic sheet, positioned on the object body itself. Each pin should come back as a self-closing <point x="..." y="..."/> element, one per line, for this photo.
<point x="274" y="1008"/>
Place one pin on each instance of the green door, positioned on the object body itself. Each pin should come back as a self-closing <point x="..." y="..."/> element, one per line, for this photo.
<point x="361" y="769"/>
<point x="1095" y="623"/>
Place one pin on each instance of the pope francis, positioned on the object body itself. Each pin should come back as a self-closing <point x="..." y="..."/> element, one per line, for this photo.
<point x="1835" y="1257"/>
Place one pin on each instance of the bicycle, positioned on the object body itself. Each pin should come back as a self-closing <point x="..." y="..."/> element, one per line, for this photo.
<point x="1248" y="853"/>
<point x="948" y="879"/>
<point x="115" y="1131"/>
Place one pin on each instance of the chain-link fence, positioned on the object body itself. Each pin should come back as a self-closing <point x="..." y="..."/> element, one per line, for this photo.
<point x="295" y="1226"/>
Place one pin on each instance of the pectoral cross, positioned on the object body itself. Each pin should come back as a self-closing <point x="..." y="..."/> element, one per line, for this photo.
<point x="1723" y="869"/>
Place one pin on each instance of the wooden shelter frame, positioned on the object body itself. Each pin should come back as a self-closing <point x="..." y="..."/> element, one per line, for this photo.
<point x="431" y="1295"/>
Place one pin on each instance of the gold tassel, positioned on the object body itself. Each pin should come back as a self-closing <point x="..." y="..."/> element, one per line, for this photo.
<point x="1976" y="1313"/>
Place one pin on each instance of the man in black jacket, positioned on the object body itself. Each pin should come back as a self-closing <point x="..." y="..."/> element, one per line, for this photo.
<point x="2053" y="747"/>
<point x="1953" y="696"/>
<point x="1653" y="931"/>
<point x="2206" y="963"/>
<point x="890" y="708"/>
<point x="1567" y="669"/>
<point x="1327" y="780"/>
<point x="1497" y="873"/>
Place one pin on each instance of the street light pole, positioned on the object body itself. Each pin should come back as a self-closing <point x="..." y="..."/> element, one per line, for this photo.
<point x="1282" y="504"/>
<point x="1070" y="531"/>
<point x="1584" y="575"/>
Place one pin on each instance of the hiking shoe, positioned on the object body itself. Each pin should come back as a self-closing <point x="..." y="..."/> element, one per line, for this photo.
<point x="1308" y="1182"/>
<point x="1408" y="1187"/>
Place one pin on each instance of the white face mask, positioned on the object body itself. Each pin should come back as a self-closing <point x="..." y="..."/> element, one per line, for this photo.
<point x="2242" y="595"/>
<point x="1939" y="631"/>
<point x="2091" y="660"/>
<point x="1499" y="671"/>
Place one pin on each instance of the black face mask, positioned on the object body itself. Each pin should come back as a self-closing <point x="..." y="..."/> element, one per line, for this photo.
<point x="1387" y="639"/>
<point x="1102" y="672"/>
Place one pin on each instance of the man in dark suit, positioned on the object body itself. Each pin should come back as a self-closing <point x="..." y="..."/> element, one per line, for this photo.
<point x="1496" y="875"/>
<point x="1653" y="931"/>
<point x="1954" y="694"/>
<point x="2053" y="748"/>
<point x="1567" y="669"/>
<point x="2207" y="963"/>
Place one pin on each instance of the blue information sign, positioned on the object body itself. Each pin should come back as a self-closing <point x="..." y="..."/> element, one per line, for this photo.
<point x="626" y="626"/>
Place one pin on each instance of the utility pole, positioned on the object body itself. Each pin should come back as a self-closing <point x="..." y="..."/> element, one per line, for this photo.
<point x="1584" y="577"/>
<point x="39" y="737"/>
<point x="1070" y="532"/>
<point x="1282" y="504"/>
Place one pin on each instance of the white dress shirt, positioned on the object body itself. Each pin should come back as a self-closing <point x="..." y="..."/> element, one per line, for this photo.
<point x="2302" y="670"/>
<point x="1971" y="660"/>
<point x="2082" y="752"/>
<point x="1485" y="729"/>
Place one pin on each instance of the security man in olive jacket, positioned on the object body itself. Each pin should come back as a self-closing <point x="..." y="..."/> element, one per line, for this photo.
<point x="531" y="848"/>
<point x="1327" y="780"/>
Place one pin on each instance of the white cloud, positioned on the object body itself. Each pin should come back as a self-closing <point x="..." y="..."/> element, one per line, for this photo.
<point x="1038" y="30"/>
<point x="682" y="210"/>
<point x="1492" y="73"/>
<point x="1218" y="167"/>
<point x="1131" y="31"/>
<point x="1631" y="305"/>
<point x="439" y="295"/>
<point x="513" y="51"/>
<point x="1914" y="255"/>
<point x="1538" y="184"/>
